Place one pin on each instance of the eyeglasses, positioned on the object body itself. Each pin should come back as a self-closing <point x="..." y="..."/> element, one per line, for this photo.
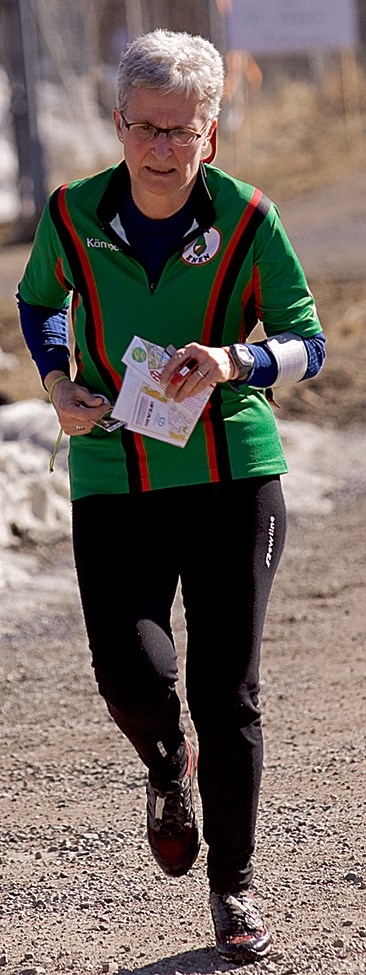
<point x="145" y="132"/>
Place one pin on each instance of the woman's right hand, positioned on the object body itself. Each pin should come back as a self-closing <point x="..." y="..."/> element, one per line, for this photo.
<point x="77" y="409"/>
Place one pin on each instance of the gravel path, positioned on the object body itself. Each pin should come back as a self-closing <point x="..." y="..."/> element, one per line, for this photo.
<point x="80" y="890"/>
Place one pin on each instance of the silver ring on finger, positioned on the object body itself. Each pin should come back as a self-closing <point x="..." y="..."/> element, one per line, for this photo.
<point x="200" y="374"/>
<point x="79" y="429"/>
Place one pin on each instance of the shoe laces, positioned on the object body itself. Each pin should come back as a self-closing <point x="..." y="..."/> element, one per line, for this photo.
<point x="240" y="912"/>
<point x="173" y="810"/>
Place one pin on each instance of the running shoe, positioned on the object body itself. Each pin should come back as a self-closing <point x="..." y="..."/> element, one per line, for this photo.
<point x="241" y="934"/>
<point x="172" y="828"/>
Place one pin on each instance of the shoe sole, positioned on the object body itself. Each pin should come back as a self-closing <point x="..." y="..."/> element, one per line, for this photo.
<point x="247" y="954"/>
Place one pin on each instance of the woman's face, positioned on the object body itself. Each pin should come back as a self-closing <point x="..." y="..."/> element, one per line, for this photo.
<point x="162" y="173"/>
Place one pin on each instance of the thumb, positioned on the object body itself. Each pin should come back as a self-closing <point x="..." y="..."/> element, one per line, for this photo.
<point x="93" y="399"/>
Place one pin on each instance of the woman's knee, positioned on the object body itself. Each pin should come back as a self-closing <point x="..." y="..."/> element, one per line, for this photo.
<point x="237" y="711"/>
<point x="141" y="666"/>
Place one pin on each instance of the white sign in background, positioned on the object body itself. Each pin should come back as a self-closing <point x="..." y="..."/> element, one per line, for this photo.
<point x="273" y="26"/>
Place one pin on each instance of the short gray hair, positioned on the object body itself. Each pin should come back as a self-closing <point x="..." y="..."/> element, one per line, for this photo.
<point x="174" y="62"/>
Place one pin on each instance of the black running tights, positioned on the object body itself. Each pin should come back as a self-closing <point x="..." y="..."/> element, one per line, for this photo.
<point x="223" y="543"/>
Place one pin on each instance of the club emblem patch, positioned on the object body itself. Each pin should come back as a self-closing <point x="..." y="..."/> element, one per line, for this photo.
<point x="202" y="249"/>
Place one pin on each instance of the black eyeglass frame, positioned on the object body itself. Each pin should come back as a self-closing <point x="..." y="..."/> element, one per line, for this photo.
<point x="157" y="130"/>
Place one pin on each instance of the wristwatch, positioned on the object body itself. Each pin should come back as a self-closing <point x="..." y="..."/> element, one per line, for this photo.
<point x="243" y="359"/>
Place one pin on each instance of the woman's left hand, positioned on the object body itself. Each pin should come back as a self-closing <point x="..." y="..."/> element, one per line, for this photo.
<point x="194" y="367"/>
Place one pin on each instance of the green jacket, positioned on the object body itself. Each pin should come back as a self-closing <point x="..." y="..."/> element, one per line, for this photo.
<point x="235" y="267"/>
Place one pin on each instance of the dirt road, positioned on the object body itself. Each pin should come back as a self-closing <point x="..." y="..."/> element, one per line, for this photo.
<point x="80" y="890"/>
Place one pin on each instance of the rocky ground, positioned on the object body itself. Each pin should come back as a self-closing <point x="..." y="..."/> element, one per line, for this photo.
<point x="80" y="892"/>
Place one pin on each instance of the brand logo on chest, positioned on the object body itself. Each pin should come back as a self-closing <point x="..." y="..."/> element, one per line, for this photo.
<point x="98" y="244"/>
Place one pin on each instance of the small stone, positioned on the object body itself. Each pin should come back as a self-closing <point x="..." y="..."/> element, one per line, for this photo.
<point x="3" y="959"/>
<point x="353" y="877"/>
<point x="338" y="943"/>
<point x="37" y="970"/>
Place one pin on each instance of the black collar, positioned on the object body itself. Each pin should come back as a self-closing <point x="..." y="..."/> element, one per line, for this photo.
<point x="108" y="207"/>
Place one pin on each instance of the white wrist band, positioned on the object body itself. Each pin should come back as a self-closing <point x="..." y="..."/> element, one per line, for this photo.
<point x="291" y="357"/>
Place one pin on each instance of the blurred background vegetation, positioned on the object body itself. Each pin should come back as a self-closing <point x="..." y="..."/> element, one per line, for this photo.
<point x="286" y="118"/>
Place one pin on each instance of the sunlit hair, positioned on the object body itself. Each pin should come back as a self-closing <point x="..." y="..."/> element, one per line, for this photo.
<point x="176" y="63"/>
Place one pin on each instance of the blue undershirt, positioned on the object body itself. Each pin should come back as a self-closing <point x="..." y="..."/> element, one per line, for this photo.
<point x="153" y="241"/>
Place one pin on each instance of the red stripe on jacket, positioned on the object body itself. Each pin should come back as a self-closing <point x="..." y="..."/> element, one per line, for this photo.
<point x="98" y="321"/>
<point x="218" y="284"/>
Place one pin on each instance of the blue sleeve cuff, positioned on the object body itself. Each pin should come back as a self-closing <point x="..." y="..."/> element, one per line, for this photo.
<point x="45" y="332"/>
<point x="316" y="354"/>
<point x="264" y="372"/>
